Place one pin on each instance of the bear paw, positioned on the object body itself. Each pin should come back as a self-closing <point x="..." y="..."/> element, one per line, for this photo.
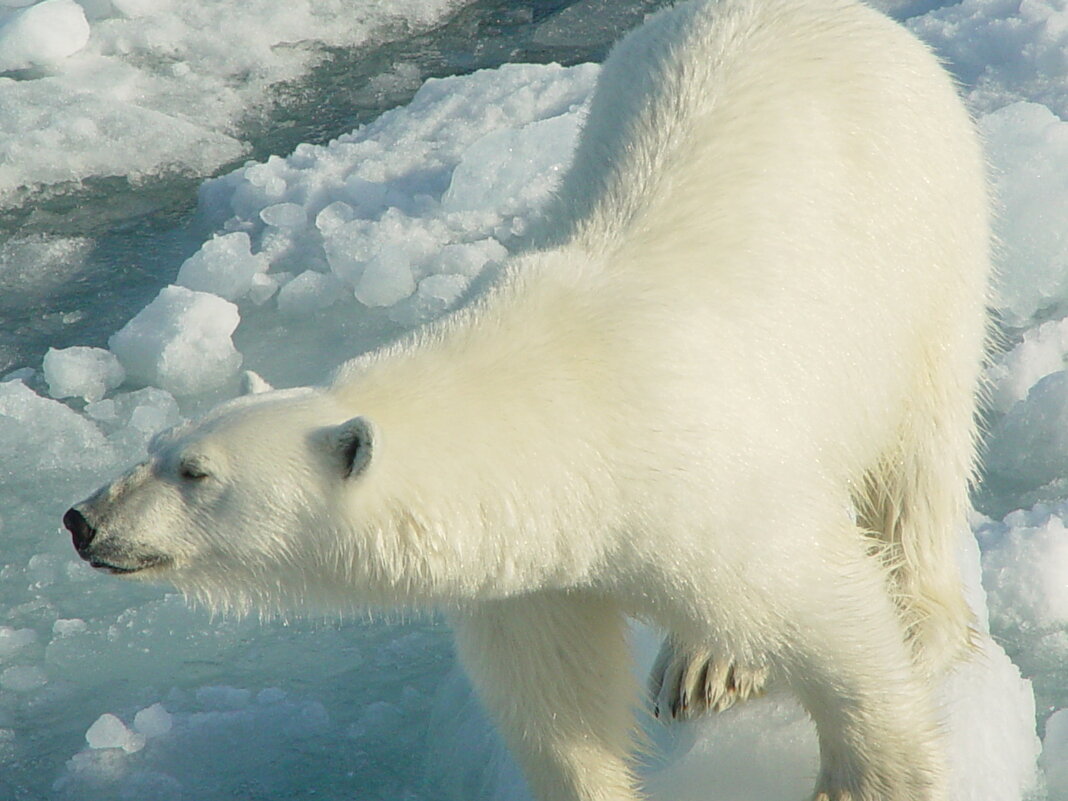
<point x="687" y="682"/>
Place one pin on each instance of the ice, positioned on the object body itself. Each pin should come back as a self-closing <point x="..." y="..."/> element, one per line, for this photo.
<point x="1025" y="562"/>
<point x="1028" y="447"/>
<point x="142" y="87"/>
<point x="41" y="34"/>
<point x="224" y="265"/>
<point x="180" y="342"/>
<point x="110" y="732"/>
<point x="53" y="132"/>
<point x="42" y="436"/>
<point x="992" y="746"/>
<point x="470" y="258"/>
<point x="308" y="292"/>
<point x="387" y="278"/>
<point x="419" y="194"/>
<point x="1042" y="351"/>
<point x="153" y="721"/>
<point x="81" y="372"/>
<point x="1055" y="755"/>
<point x="23" y="678"/>
<point x="66" y="628"/>
<point x="129" y="419"/>
<point x="1027" y="144"/>
<point x="12" y="641"/>
<point x="285" y="215"/>
<point x="1003" y="51"/>
<point x="513" y="170"/>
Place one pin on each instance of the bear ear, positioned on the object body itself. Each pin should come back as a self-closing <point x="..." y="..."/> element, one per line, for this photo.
<point x="355" y="442"/>
<point x="253" y="384"/>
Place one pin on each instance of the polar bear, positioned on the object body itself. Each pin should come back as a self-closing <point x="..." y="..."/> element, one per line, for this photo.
<point x="731" y="392"/>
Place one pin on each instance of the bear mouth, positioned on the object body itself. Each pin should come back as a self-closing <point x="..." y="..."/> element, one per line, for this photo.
<point x="142" y="564"/>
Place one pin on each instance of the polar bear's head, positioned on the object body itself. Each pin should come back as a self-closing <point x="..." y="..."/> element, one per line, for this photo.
<point x="239" y="508"/>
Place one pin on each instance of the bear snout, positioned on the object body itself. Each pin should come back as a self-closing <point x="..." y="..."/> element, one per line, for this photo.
<point x="81" y="533"/>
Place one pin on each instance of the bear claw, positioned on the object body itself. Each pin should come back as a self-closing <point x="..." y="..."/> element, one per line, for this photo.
<point x="692" y="681"/>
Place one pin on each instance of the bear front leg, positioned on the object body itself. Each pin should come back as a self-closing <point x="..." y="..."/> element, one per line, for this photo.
<point x="553" y="669"/>
<point x="687" y="681"/>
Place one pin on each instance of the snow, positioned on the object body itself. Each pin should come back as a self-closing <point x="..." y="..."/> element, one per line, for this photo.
<point x="115" y="690"/>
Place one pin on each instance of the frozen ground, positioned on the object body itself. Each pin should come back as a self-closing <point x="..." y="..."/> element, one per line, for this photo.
<point x="110" y="690"/>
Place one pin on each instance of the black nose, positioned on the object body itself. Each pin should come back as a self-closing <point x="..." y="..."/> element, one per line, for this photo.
<point x="81" y="533"/>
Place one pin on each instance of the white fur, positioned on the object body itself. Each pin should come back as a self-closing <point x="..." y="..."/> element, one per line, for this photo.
<point x="732" y="394"/>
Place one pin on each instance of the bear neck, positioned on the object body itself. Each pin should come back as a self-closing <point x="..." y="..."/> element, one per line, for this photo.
<point x="495" y="454"/>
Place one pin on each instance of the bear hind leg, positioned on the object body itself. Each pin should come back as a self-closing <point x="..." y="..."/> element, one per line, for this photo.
<point x="853" y="670"/>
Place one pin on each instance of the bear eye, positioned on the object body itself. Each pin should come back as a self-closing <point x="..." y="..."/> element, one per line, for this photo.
<point x="190" y="470"/>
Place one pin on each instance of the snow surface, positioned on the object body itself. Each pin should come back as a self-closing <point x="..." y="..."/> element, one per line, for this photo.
<point x="114" y="690"/>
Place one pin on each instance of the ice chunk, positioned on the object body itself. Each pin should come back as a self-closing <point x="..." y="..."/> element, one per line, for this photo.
<point x="435" y="294"/>
<point x="1025" y="561"/>
<point x="1042" y="352"/>
<point x="1028" y="146"/>
<point x="263" y="288"/>
<point x="131" y="418"/>
<point x="153" y="721"/>
<point x="23" y="678"/>
<point x="308" y="293"/>
<point x="42" y="434"/>
<point x="110" y="732"/>
<point x="224" y="266"/>
<point x="1001" y="52"/>
<point x="81" y="372"/>
<point x="67" y="627"/>
<point x="387" y="278"/>
<point x="41" y="34"/>
<point x="1054" y="759"/>
<point x="469" y="258"/>
<point x="348" y="246"/>
<point x="14" y="640"/>
<point x="991" y="741"/>
<point x="285" y="215"/>
<point x="511" y="171"/>
<point x="334" y="216"/>
<point x="1028" y="447"/>
<point x="51" y="131"/>
<point x="180" y="342"/>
